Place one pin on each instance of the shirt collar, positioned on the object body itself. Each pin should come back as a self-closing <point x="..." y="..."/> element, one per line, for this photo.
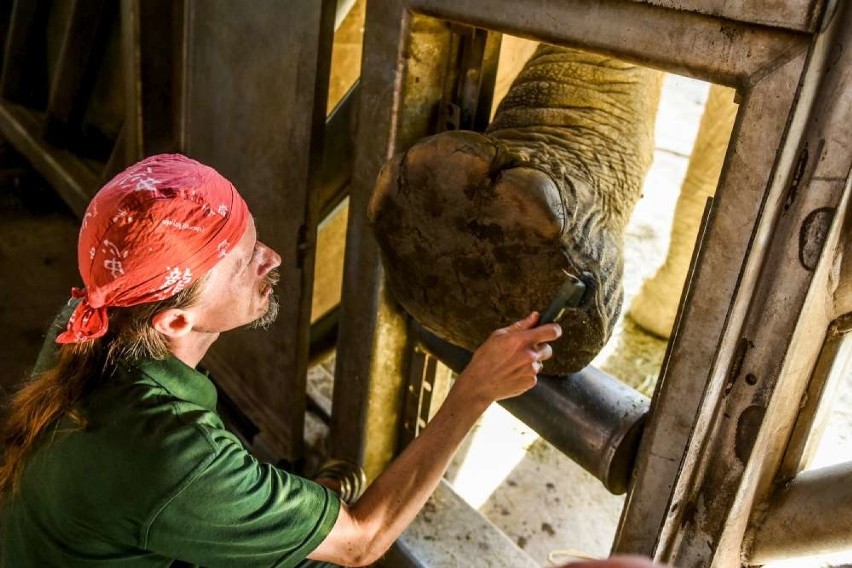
<point x="181" y="380"/>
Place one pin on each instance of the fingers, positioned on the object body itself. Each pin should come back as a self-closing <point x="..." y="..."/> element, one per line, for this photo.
<point x="526" y="323"/>
<point x="543" y="352"/>
<point x="542" y="334"/>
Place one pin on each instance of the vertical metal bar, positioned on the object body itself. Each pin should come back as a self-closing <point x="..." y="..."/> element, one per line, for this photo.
<point x="73" y="79"/>
<point x="401" y="81"/>
<point x="153" y="42"/>
<point x="745" y="186"/>
<point x="132" y="128"/>
<point x="24" y="76"/>
<point x="255" y="104"/>
<point x="768" y="352"/>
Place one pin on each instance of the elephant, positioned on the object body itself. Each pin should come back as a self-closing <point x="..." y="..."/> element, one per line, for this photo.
<point x="655" y="307"/>
<point x="476" y="230"/>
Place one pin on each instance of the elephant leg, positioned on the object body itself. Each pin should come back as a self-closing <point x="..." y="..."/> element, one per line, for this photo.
<point x="655" y="307"/>
<point x="476" y="230"/>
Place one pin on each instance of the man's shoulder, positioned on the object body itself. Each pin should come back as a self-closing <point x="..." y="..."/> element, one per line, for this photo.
<point x="142" y="414"/>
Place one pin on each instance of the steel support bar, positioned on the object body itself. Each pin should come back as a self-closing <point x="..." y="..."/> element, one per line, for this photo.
<point x="778" y="320"/>
<point x="257" y="114"/>
<point x="338" y="152"/>
<point x="591" y="417"/>
<point x="154" y="43"/>
<point x="402" y="78"/>
<point x="802" y="15"/>
<point x="812" y="515"/>
<point x="685" y="43"/>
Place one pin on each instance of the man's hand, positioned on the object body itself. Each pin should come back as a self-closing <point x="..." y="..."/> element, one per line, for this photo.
<point x="507" y="363"/>
<point x="504" y="366"/>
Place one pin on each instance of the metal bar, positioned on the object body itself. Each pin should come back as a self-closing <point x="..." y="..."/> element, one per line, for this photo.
<point x="23" y="79"/>
<point x="487" y="80"/>
<point x="790" y="14"/>
<point x="778" y="322"/>
<point x="816" y="405"/>
<point x="685" y="43"/>
<point x="82" y="46"/>
<point x="731" y="251"/>
<point x="66" y="173"/>
<point x="403" y="65"/>
<point x="263" y="130"/>
<point x="132" y="127"/>
<point x="812" y="515"/>
<point x="589" y="416"/>
<point x="153" y="40"/>
<point x="338" y="152"/>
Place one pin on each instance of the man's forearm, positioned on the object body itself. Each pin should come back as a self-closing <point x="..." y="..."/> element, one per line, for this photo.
<point x="396" y="496"/>
<point x="504" y="366"/>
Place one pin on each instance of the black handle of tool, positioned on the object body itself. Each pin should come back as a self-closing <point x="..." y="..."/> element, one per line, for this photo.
<point x="569" y="295"/>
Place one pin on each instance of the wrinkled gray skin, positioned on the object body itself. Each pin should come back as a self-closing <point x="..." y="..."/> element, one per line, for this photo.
<point x="476" y="230"/>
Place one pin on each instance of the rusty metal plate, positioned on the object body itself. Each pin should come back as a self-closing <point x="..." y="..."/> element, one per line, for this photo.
<point x="256" y="83"/>
<point x="799" y="15"/>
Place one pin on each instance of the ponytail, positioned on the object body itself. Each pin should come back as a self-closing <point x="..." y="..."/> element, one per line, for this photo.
<point x="54" y="394"/>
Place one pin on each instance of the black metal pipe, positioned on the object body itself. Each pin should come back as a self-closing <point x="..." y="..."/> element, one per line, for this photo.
<point x="590" y="416"/>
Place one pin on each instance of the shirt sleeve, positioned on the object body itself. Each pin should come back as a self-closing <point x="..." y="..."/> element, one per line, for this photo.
<point x="236" y="511"/>
<point x="47" y="354"/>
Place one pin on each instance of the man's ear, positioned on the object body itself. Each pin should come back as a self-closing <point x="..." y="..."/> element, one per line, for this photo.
<point x="173" y="322"/>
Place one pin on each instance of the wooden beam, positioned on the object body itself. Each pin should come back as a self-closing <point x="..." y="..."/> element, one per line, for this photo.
<point x="71" y="177"/>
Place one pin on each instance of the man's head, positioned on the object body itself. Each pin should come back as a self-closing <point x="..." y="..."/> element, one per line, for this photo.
<point x="166" y="226"/>
<point x="235" y="292"/>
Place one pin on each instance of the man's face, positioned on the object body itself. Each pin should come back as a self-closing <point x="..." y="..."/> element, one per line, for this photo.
<point x="238" y="290"/>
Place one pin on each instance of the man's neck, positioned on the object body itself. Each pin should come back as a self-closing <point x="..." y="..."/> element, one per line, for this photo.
<point x="191" y="348"/>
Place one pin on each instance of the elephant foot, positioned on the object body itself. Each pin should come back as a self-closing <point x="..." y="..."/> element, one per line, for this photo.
<point x="472" y="240"/>
<point x="655" y="307"/>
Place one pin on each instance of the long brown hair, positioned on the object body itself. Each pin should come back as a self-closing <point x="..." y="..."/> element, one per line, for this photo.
<point x="56" y="393"/>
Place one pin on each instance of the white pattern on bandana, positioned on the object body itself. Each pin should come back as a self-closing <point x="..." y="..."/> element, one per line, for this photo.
<point x="113" y="264"/>
<point x="92" y="212"/>
<point x="141" y="181"/>
<point x="223" y="248"/>
<point x="174" y="282"/>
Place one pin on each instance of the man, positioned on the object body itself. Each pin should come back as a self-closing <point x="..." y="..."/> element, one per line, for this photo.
<point x="114" y="453"/>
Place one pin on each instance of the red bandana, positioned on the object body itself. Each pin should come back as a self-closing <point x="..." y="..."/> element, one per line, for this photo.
<point x="149" y="233"/>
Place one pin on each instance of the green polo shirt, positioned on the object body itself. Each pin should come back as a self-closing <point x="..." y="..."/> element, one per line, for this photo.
<point x="155" y="477"/>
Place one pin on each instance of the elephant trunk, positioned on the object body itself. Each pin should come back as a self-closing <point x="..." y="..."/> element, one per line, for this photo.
<point x="587" y="120"/>
<point x="477" y="230"/>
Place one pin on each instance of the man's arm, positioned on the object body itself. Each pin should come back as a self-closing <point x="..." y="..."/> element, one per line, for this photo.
<point x="504" y="366"/>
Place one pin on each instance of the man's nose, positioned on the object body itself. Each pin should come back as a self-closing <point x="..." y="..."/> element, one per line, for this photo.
<point x="269" y="260"/>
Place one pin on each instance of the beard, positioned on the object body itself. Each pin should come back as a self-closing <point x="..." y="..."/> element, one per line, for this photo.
<point x="271" y="314"/>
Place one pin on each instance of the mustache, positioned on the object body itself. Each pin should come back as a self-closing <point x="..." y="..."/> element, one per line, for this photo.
<point x="271" y="279"/>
